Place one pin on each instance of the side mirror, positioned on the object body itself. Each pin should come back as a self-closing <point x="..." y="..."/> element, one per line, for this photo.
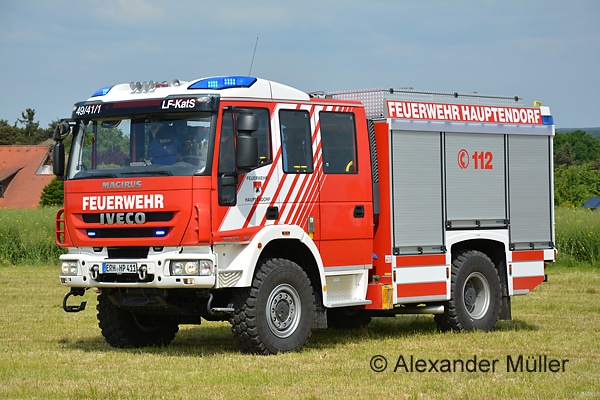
<point x="246" y="150"/>
<point x="61" y="131"/>
<point x="247" y="123"/>
<point x="58" y="159"/>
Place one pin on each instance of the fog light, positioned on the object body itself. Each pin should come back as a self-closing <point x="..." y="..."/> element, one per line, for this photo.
<point x="206" y="267"/>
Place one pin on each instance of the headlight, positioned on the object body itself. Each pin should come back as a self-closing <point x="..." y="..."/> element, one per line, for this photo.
<point x="191" y="267"/>
<point x="69" y="267"/>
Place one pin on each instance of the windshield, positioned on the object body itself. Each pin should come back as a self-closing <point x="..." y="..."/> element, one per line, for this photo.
<point x="142" y="146"/>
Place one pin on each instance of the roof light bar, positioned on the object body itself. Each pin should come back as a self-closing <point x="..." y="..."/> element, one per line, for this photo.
<point x="224" y="82"/>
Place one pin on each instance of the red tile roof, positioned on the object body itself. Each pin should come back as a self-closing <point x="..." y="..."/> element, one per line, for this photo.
<point x="25" y="188"/>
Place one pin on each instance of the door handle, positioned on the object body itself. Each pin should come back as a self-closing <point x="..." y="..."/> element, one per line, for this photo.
<point x="359" y="211"/>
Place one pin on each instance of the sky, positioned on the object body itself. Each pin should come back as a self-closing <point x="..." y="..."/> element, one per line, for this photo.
<point x="54" y="53"/>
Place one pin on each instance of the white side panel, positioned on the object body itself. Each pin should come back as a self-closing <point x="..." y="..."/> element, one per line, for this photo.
<point x="421" y="274"/>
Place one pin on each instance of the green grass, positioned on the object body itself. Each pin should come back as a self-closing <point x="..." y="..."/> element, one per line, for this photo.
<point x="578" y="234"/>
<point x="27" y="236"/>
<point x="46" y="353"/>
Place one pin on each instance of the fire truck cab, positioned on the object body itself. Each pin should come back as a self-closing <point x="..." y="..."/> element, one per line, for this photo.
<point x="241" y="199"/>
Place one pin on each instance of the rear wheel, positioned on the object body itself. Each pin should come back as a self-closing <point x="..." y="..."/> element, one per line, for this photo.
<point x="275" y="314"/>
<point x="125" y="329"/>
<point x="475" y="294"/>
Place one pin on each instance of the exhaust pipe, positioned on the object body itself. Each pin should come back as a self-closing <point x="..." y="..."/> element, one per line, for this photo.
<point x="428" y="309"/>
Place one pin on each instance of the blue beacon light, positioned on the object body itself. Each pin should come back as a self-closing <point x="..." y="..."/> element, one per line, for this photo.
<point x="547" y="120"/>
<point x="102" y="91"/>
<point x="224" y="82"/>
<point x="160" y="232"/>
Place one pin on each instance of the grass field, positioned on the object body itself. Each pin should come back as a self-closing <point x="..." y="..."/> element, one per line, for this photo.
<point x="46" y="353"/>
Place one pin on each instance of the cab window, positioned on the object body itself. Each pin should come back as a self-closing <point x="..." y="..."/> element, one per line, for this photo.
<point x="338" y="140"/>
<point x="296" y="143"/>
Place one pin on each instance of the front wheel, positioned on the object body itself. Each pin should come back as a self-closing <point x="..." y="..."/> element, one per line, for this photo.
<point x="475" y="294"/>
<point x="276" y="313"/>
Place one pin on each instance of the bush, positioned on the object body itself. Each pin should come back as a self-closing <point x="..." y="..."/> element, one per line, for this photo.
<point x="53" y="194"/>
<point x="573" y="185"/>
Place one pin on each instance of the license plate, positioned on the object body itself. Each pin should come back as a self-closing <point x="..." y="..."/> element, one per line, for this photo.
<point x="119" y="268"/>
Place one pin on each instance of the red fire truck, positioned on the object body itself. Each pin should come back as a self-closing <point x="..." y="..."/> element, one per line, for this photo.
<point x="241" y="199"/>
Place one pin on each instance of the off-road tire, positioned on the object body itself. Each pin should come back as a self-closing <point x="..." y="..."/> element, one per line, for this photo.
<point x="275" y="314"/>
<point x="124" y="329"/>
<point x="475" y="294"/>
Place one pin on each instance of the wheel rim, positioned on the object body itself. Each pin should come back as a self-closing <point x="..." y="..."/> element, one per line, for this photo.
<point x="283" y="309"/>
<point x="476" y="295"/>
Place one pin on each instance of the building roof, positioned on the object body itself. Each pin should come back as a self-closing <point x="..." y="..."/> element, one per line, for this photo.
<point x="22" y="175"/>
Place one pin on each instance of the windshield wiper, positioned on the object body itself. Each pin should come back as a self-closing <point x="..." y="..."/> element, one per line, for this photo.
<point x="87" y="175"/>
<point x="146" y="172"/>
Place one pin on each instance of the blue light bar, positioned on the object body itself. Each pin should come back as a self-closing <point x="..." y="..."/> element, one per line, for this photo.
<point x="547" y="120"/>
<point x="160" y="232"/>
<point x="91" y="234"/>
<point x="102" y="91"/>
<point x="224" y="82"/>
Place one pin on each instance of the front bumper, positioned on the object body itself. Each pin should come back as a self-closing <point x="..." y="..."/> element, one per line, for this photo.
<point x="93" y="268"/>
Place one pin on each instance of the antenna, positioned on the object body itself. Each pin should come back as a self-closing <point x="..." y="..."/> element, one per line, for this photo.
<point x="253" y="54"/>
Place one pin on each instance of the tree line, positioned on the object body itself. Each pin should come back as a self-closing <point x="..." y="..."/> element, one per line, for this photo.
<point x="25" y="130"/>
<point x="576" y="168"/>
<point x="576" y="160"/>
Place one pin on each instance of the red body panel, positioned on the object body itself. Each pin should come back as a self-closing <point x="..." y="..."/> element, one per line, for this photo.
<point x="421" y="289"/>
<point x="94" y="212"/>
<point x="527" y="282"/>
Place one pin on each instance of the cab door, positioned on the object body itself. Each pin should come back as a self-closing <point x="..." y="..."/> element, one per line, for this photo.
<point x="345" y="199"/>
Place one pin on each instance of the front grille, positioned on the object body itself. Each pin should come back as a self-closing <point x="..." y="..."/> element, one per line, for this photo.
<point x="162" y="216"/>
<point x="128" y="252"/>
<point x="116" y="233"/>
